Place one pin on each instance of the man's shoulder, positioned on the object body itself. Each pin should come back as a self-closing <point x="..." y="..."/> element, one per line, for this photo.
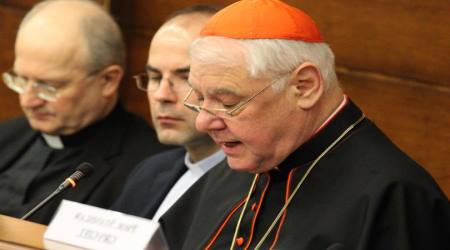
<point x="16" y="122"/>
<point x="373" y="157"/>
<point x="14" y="128"/>
<point x="161" y="161"/>
<point x="168" y="164"/>
<point x="169" y="155"/>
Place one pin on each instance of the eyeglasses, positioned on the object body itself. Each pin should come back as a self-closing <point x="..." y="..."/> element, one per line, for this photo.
<point x="43" y="90"/>
<point x="19" y="84"/>
<point x="195" y="103"/>
<point x="147" y="82"/>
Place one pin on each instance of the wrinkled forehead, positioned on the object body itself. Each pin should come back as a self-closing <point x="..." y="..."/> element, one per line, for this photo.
<point x="210" y="79"/>
<point x="217" y="58"/>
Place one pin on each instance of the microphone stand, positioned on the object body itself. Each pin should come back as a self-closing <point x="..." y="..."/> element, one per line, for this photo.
<point x="42" y="203"/>
<point x="84" y="169"/>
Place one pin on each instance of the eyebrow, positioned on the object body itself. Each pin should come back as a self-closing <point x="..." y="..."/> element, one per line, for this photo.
<point x="44" y="80"/>
<point x="183" y="70"/>
<point x="218" y="91"/>
<point x="224" y="91"/>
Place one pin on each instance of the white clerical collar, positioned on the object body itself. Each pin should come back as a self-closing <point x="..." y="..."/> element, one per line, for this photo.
<point x="53" y="141"/>
<point x="339" y="108"/>
<point x="202" y="166"/>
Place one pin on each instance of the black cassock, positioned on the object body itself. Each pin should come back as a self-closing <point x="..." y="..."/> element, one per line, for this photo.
<point x="30" y="169"/>
<point x="363" y="194"/>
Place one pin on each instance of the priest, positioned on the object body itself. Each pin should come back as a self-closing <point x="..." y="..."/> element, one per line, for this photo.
<point x="69" y="62"/>
<point x="308" y="169"/>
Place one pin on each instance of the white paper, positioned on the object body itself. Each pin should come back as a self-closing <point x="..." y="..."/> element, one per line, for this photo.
<point x="88" y="227"/>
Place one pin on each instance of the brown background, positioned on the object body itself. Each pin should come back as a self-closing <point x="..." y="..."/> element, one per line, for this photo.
<point x="393" y="59"/>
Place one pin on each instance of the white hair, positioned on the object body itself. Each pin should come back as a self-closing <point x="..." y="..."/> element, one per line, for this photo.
<point x="266" y="57"/>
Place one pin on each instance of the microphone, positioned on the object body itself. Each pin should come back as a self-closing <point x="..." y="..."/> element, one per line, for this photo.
<point x="83" y="170"/>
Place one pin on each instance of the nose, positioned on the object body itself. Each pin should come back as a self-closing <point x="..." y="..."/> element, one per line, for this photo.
<point x="207" y="122"/>
<point x="164" y="92"/>
<point x="30" y="99"/>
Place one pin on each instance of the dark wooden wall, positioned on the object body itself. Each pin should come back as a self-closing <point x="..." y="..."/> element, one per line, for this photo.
<point x="11" y="12"/>
<point x="393" y="59"/>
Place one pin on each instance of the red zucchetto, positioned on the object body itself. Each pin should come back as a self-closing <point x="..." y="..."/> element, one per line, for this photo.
<point x="262" y="19"/>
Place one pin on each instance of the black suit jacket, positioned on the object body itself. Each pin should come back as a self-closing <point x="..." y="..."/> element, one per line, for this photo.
<point x="116" y="148"/>
<point x="149" y="183"/>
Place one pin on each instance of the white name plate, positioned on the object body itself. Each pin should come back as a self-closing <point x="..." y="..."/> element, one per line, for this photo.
<point x="80" y="226"/>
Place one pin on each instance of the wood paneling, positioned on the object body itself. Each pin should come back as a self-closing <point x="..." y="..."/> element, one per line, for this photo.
<point x="134" y="99"/>
<point x="23" y="5"/>
<point x="404" y="38"/>
<point x="10" y="18"/>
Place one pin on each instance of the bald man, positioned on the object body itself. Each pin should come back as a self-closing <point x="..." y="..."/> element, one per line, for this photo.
<point x="159" y="181"/>
<point x="67" y="71"/>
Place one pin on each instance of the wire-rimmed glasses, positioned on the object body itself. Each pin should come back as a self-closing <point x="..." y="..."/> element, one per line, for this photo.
<point x="147" y="82"/>
<point x="43" y="90"/>
<point x="194" y="103"/>
<point x="19" y="84"/>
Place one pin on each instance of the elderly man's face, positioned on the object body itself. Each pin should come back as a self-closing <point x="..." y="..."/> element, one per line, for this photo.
<point x="263" y="133"/>
<point x="56" y="63"/>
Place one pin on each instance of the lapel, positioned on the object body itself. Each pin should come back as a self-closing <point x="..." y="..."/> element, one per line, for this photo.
<point x="18" y="136"/>
<point x="164" y="181"/>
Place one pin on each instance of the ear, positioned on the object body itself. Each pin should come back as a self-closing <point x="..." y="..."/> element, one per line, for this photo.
<point x="112" y="75"/>
<point x="307" y="85"/>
